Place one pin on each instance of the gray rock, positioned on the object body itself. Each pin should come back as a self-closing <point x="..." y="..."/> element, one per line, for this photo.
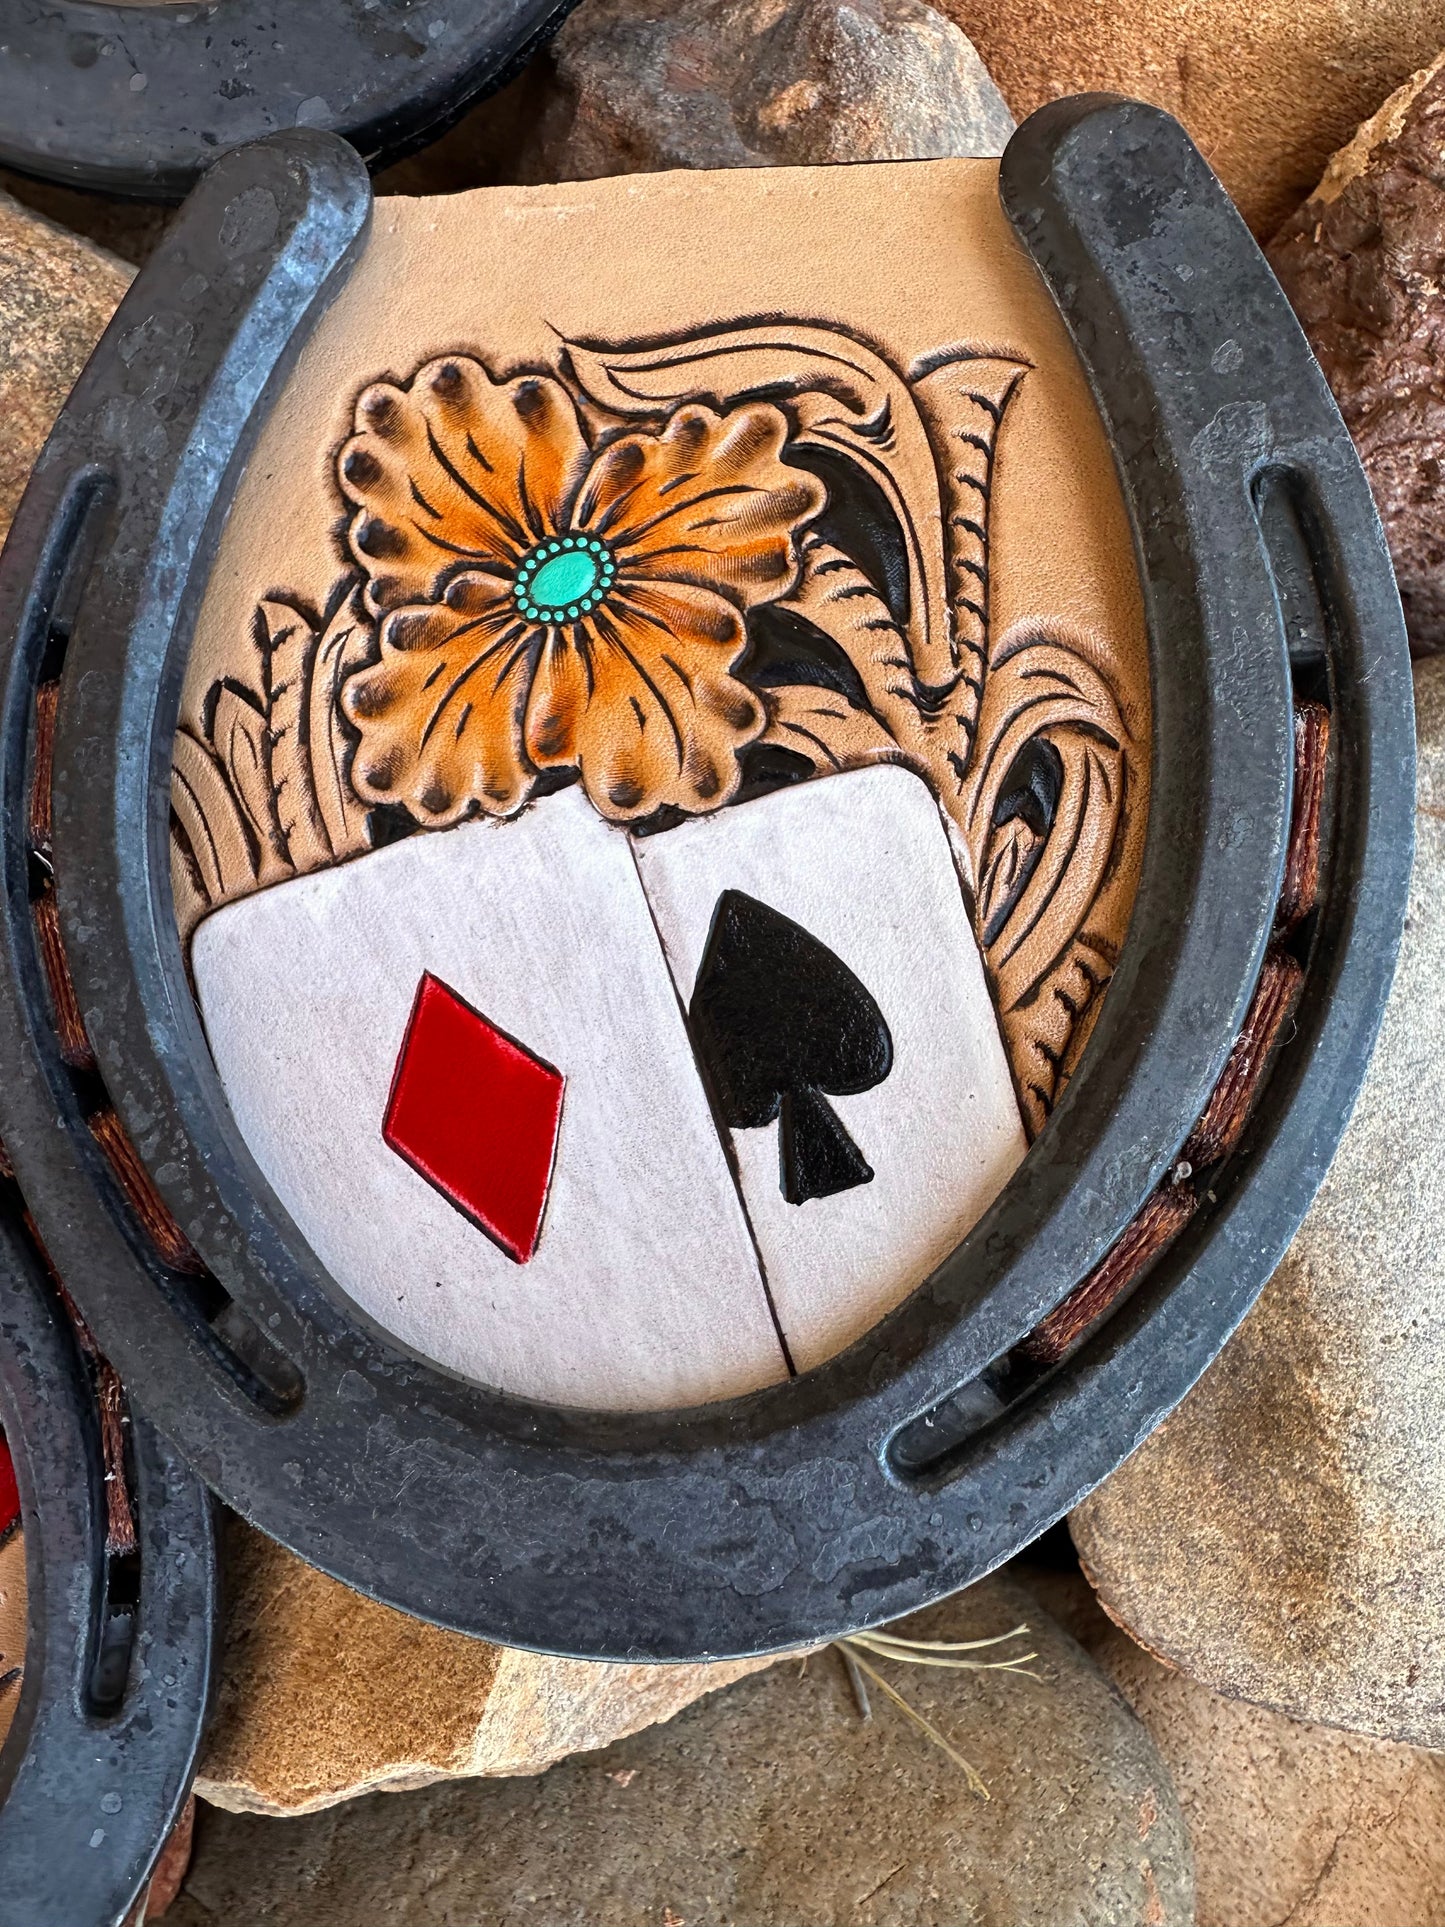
<point x="1292" y="1825"/>
<point x="749" y="83"/>
<point x="1282" y="1536"/>
<point x="770" y="1805"/>
<point x="629" y="89"/>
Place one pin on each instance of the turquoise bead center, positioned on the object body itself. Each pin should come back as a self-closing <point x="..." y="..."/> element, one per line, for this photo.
<point x="564" y="578"/>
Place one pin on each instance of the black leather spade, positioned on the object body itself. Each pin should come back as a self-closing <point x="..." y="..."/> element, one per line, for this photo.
<point x="778" y="1021"/>
<point x="119" y="1645"/>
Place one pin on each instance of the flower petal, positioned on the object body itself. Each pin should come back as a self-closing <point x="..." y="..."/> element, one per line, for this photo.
<point x="640" y="698"/>
<point x="440" y="713"/>
<point x="455" y="471"/>
<point x="709" y="501"/>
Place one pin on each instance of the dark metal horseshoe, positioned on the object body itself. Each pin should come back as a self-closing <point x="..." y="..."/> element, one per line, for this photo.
<point x="141" y="99"/>
<point x="118" y="1659"/>
<point x="896" y="1472"/>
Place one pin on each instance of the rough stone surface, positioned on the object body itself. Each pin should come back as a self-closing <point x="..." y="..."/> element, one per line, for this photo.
<point x="629" y="88"/>
<point x="771" y="1805"/>
<point x="1364" y="264"/>
<point x="1282" y="1536"/>
<point x="1292" y="1825"/>
<point x="325" y="1694"/>
<point x="743" y="83"/>
<point x="56" y="294"/>
<point x="129" y="229"/>
<point x="1268" y="88"/>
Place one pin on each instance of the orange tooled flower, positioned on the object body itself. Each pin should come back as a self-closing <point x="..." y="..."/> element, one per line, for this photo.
<point x="550" y="604"/>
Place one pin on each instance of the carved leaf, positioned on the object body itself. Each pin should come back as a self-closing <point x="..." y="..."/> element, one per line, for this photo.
<point x="827" y="729"/>
<point x="346" y="643"/>
<point x="263" y="793"/>
<point x="211" y="820"/>
<point x="1043" y="890"/>
<point x="836" y="597"/>
<point x="288" y="648"/>
<point x="238" y="732"/>
<point x="1044" y="1039"/>
<point x="962" y="400"/>
<point x="320" y="817"/>
<point x="187" y="892"/>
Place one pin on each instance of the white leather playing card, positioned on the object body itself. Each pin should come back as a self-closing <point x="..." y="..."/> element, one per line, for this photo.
<point x="643" y="1290"/>
<point x="862" y="863"/>
<point x="466" y="1065"/>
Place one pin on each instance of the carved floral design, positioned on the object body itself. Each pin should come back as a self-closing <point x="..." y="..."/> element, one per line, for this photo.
<point x="655" y="567"/>
<point x="548" y="603"/>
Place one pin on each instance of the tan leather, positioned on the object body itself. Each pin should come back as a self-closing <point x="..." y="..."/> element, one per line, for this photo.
<point x="883" y="310"/>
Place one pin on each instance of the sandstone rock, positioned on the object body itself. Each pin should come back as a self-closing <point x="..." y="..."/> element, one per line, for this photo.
<point x="1268" y="88"/>
<point x="1291" y="1824"/>
<point x="325" y="1694"/>
<point x="628" y="88"/>
<point x="56" y="294"/>
<point x="771" y="1805"/>
<point x="129" y="229"/>
<point x="1282" y="1536"/>
<point x="1364" y="264"/>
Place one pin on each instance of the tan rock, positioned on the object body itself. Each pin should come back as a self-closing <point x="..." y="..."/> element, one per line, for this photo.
<point x="325" y="1694"/>
<point x="56" y="294"/>
<point x="128" y="229"/>
<point x="1268" y="88"/>
<point x="770" y="1805"/>
<point x="1282" y="1536"/>
<point x="1292" y="1825"/>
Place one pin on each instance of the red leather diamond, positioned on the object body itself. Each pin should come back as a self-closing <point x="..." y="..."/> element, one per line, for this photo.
<point x="9" y="1491"/>
<point x="477" y="1114"/>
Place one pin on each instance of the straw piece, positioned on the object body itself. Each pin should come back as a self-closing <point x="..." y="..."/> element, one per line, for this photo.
<point x="881" y="1638"/>
<point x="911" y="1712"/>
<point x="1019" y="1665"/>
